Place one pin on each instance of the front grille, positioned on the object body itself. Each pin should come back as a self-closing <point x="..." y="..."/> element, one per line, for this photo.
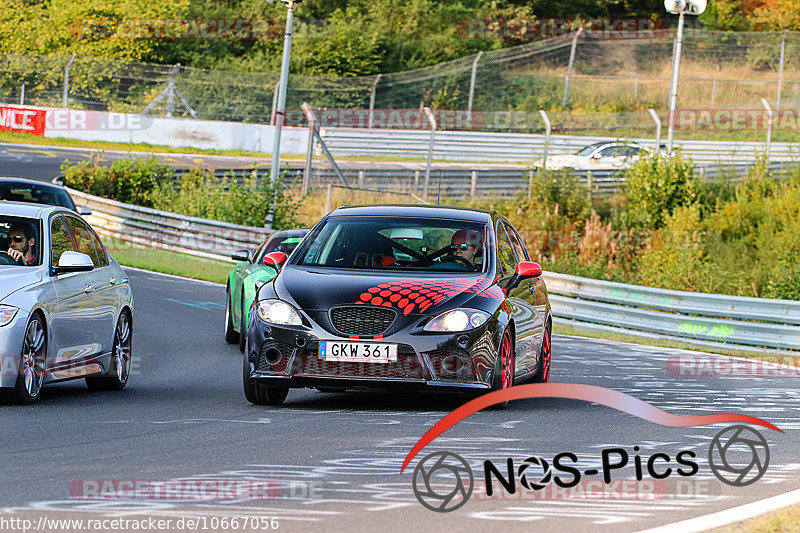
<point x="363" y="320"/>
<point x="268" y="364"/>
<point x="406" y="367"/>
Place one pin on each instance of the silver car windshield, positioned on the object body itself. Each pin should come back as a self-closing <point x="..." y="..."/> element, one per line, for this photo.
<point x="20" y="242"/>
<point x="395" y="243"/>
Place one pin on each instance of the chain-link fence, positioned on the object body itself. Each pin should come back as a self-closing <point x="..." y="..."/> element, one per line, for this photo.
<point x="611" y="85"/>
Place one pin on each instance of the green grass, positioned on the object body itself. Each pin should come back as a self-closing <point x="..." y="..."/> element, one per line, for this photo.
<point x="173" y="263"/>
<point x="563" y="329"/>
<point x="785" y="520"/>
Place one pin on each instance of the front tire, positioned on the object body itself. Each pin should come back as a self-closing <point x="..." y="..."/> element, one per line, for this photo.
<point x="543" y="373"/>
<point x="121" y="357"/>
<point x="504" y="367"/>
<point x="258" y="393"/>
<point x="30" y="377"/>
<point x="231" y="337"/>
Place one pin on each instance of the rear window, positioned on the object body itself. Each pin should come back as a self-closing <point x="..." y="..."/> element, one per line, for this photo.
<point x="35" y="194"/>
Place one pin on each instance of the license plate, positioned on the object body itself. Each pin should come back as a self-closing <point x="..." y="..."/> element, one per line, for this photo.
<point x="358" y="352"/>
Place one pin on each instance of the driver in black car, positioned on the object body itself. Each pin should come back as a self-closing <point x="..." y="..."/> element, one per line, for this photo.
<point x="22" y="244"/>
<point x="466" y="244"/>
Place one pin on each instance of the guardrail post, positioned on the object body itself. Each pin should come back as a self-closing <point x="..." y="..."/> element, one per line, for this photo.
<point x="416" y="180"/>
<point x="769" y="125"/>
<point x="589" y="184"/>
<point x="780" y="72"/>
<point x="312" y="119"/>
<point x="65" y="90"/>
<point x="432" y="120"/>
<point x="473" y="184"/>
<point x="361" y="178"/>
<point x="657" y="120"/>
<point x="472" y="83"/>
<point x="372" y="99"/>
<point x="328" y="199"/>
<point x="713" y="92"/>
<point x="548" y="129"/>
<point x="636" y="88"/>
<point x="571" y="64"/>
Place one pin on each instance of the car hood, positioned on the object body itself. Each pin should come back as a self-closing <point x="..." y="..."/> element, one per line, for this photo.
<point x="14" y="278"/>
<point x="407" y="292"/>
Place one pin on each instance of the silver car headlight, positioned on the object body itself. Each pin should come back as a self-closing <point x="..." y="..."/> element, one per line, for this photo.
<point x="7" y="314"/>
<point x="278" y="312"/>
<point x="458" y="320"/>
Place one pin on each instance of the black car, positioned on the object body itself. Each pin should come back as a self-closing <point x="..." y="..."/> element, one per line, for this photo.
<point x="37" y="192"/>
<point x="400" y="297"/>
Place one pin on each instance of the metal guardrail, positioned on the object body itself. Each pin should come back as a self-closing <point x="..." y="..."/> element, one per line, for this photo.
<point x="523" y="148"/>
<point x="169" y="231"/>
<point x="731" y="320"/>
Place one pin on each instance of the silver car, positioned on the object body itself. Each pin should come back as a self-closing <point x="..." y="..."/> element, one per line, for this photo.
<point x="66" y="307"/>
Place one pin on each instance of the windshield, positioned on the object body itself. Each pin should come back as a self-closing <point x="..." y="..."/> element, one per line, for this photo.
<point x="395" y="243"/>
<point x="34" y="193"/>
<point x="19" y="242"/>
<point x="587" y="150"/>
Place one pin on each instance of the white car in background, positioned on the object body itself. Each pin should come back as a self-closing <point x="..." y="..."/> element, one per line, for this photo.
<point x="598" y="156"/>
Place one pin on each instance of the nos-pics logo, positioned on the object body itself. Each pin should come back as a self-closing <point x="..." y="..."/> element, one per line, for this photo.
<point x="443" y="481"/>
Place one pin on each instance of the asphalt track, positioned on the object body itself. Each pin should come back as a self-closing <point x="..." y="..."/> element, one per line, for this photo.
<point x="334" y="459"/>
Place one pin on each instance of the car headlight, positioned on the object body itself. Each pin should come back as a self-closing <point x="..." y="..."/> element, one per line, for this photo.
<point x="278" y="312"/>
<point x="458" y="320"/>
<point x="7" y="314"/>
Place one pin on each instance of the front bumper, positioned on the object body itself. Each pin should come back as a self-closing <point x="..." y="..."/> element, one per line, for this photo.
<point x="288" y="356"/>
<point x="11" y="336"/>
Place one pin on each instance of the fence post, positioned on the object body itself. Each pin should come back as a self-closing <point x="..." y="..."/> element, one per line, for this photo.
<point x="769" y="125"/>
<point x="274" y="104"/>
<point x="548" y="129"/>
<point x="571" y="64"/>
<point x="473" y="184"/>
<point x="780" y="72"/>
<point x="472" y="83"/>
<point x="361" y="179"/>
<point x="312" y="119"/>
<point x="713" y="92"/>
<point x="636" y="88"/>
<point x="372" y="99"/>
<point x="328" y="199"/>
<point x="65" y="90"/>
<point x="416" y="180"/>
<point x="22" y="95"/>
<point x="657" y="120"/>
<point x="794" y="96"/>
<point x="432" y="120"/>
<point x="673" y="92"/>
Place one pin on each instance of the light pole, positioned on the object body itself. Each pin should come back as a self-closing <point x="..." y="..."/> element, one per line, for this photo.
<point x="681" y="8"/>
<point x="280" y="111"/>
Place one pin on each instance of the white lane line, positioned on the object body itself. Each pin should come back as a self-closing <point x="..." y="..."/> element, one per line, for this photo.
<point x="730" y="516"/>
<point x="204" y="282"/>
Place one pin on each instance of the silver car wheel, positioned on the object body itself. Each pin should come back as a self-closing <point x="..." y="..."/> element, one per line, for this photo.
<point x="122" y="348"/>
<point x="33" y="358"/>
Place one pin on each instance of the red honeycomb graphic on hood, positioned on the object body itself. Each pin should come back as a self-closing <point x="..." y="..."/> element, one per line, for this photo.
<point x="420" y="294"/>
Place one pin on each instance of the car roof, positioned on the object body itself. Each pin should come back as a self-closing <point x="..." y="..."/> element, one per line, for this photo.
<point x="29" y="210"/>
<point x="30" y="181"/>
<point x="422" y="211"/>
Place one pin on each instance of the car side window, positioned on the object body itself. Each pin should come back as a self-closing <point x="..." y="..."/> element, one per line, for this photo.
<point x="82" y="238"/>
<point x="98" y="246"/>
<point x="516" y="241"/>
<point x="505" y="252"/>
<point x="611" y="151"/>
<point x="59" y="240"/>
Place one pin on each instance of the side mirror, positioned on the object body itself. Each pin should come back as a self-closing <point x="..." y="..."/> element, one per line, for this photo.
<point x="241" y="255"/>
<point x="275" y="260"/>
<point x="84" y="211"/>
<point x="524" y="270"/>
<point x="73" y="262"/>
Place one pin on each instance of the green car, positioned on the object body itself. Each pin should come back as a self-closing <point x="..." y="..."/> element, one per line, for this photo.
<point x="244" y="279"/>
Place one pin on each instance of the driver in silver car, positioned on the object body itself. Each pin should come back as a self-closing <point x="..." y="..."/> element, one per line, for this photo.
<point x="22" y="243"/>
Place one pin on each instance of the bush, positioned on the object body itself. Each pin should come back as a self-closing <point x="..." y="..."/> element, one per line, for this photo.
<point x="656" y="186"/>
<point x="126" y="180"/>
